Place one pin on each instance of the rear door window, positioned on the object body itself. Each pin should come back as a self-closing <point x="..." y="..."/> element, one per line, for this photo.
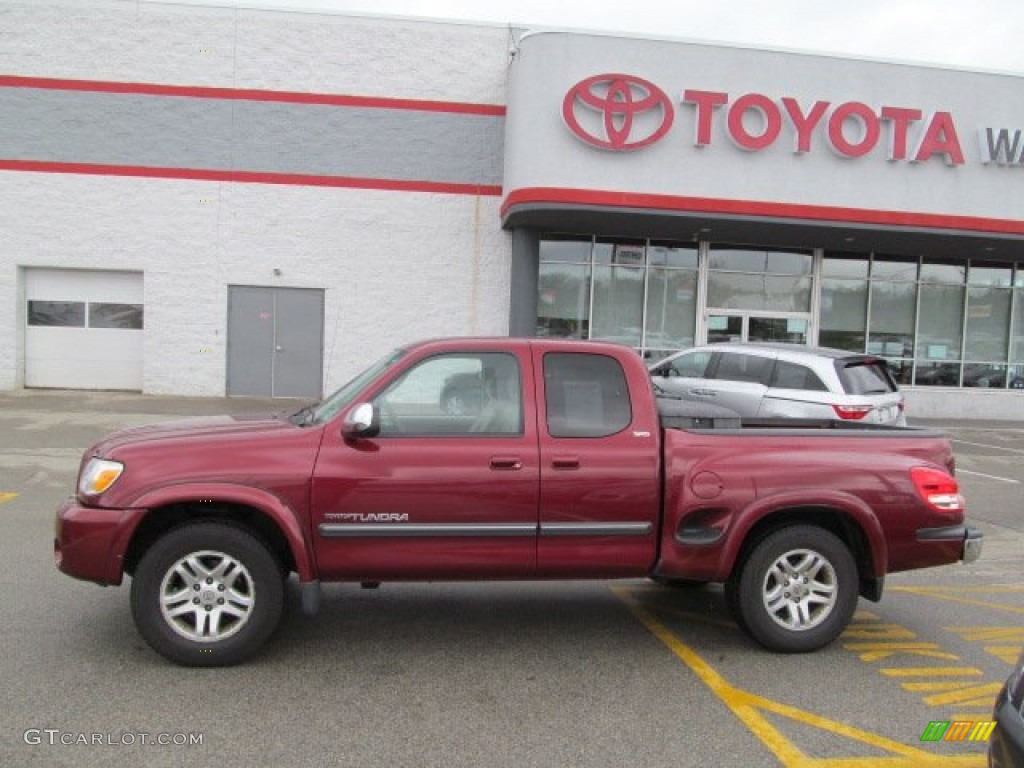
<point x="795" y="376"/>
<point x="865" y="376"/>
<point x="586" y="394"/>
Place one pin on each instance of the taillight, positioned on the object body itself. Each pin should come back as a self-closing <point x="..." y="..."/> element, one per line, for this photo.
<point x="852" y="412"/>
<point x="939" y="490"/>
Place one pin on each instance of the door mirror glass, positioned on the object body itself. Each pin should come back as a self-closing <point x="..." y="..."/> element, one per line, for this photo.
<point x="361" y="421"/>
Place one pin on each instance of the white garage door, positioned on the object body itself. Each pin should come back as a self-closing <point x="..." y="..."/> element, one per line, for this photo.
<point x="84" y="329"/>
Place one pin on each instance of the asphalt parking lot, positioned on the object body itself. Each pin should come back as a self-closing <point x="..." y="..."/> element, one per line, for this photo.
<point x="534" y="674"/>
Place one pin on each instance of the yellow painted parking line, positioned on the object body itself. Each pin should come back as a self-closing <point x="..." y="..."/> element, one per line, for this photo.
<point x="7" y="497"/>
<point x="957" y="590"/>
<point x="953" y="598"/>
<point x="932" y="672"/>
<point x="931" y="687"/>
<point x="1012" y="634"/>
<point x="751" y="710"/>
<point x="877" y="651"/>
<point x="877" y="632"/>
<point x="975" y="696"/>
<point x="974" y="717"/>
<point x="1007" y="653"/>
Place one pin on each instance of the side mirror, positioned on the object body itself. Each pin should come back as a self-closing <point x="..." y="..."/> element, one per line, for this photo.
<point x="361" y="421"/>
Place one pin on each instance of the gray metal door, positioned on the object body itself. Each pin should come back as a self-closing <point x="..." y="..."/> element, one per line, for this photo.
<point x="275" y="341"/>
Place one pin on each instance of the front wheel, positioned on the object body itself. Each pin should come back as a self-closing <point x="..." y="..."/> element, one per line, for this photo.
<point x="207" y="594"/>
<point x="796" y="591"/>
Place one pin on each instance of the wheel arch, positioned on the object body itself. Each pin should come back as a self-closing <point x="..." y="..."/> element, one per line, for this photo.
<point x="866" y="546"/>
<point x="260" y="513"/>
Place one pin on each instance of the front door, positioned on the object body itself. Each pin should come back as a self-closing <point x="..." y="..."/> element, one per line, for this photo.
<point x="275" y="341"/>
<point x="449" y="487"/>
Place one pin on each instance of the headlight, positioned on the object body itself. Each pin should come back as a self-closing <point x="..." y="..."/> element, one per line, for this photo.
<point x="98" y="476"/>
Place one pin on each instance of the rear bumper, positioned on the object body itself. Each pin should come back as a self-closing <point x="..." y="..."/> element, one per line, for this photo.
<point x="967" y="537"/>
<point x="90" y="543"/>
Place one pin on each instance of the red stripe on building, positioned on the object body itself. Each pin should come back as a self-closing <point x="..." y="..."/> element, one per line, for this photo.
<point x="293" y="97"/>
<point x="787" y="211"/>
<point x="252" y="177"/>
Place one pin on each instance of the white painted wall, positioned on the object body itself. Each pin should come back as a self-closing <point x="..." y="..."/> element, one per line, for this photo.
<point x="395" y="266"/>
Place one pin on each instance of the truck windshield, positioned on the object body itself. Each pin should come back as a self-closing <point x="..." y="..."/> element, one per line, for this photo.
<point x="328" y="408"/>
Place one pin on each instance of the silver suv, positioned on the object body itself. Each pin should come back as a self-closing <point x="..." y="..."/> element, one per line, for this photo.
<point x="788" y="380"/>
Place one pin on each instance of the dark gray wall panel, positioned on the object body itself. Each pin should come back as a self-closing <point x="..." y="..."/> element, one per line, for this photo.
<point x="216" y="134"/>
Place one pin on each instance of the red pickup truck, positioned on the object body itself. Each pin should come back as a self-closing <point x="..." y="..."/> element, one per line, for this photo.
<point x="474" y="459"/>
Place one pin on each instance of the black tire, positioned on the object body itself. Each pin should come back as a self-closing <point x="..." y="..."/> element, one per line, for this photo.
<point x="207" y="595"/>
<point x="796" y="591"/>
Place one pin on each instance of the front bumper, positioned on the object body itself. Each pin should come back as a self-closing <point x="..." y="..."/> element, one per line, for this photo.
<point x="90" y="542"/>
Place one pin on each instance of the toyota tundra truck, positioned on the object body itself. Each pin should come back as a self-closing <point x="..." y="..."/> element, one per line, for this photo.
<point x="478" y="459"/>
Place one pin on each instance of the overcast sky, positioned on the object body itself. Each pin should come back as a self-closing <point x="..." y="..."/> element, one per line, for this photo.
<point x="966" y="34"/>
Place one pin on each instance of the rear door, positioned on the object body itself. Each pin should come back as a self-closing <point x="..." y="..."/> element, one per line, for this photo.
<point x="797" y="391"/>
<point x="599" y="468"/>
<point x="738" y="381"/>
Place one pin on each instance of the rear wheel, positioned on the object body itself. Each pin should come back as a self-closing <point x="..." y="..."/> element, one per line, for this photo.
<point x="796" y="591"/>
<point x="208" y="594"/>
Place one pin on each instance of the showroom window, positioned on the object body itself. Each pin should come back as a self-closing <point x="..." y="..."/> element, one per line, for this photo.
<point x="893" y="302"/>
<point x="759" y="279"/>
<point x="939" y="322"/>
<point x="987" y="330"/>
<point x="844" y="302"/>
<point x="619" y="271"/>
<point x="939" y="344"/>
<point x="563" y="300"/>
<point x="642" y="293"/>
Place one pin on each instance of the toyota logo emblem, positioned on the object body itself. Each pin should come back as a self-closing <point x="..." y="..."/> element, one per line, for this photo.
<point x="617" y="112"/>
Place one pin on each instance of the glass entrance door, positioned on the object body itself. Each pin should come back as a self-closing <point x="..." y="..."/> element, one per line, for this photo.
<point x="750" y="327"/>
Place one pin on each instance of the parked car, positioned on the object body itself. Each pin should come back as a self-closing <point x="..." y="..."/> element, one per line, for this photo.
<point x="1006" y="745"/>
<point x="787" y="380"/>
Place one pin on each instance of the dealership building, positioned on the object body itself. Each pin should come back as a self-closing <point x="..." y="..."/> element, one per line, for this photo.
<point x="208" y="201"/>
